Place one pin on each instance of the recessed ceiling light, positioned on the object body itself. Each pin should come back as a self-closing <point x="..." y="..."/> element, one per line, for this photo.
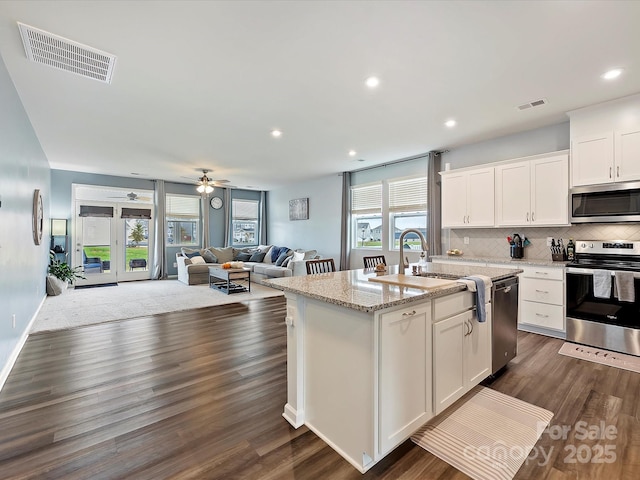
<point x="372" y="82"/>
<point x="352" y="153"/>
<point x="450" y="123"/>
<point x="276" y="133"/>
<point x="611" y="74"/>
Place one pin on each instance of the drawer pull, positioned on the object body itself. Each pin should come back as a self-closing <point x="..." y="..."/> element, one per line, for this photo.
<point x="409" y="314"/>
<point x="542" y="291"/>
<point x="542" y="315"/>
<point x="542" y="273"/>
<point x="288" y="321"/>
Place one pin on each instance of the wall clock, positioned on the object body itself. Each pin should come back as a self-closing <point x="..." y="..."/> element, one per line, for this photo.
<point x="216" y="202"/>
<point x="38" y="217"/>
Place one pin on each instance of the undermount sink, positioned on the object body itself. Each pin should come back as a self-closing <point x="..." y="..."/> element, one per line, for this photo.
<point x="425" y="283"/>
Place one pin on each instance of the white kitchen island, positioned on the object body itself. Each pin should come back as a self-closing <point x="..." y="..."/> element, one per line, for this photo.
<point x="369" y="363"/>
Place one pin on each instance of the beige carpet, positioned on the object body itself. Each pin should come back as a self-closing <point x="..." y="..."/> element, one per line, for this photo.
<point x="89" y="306"/>
<point x="488" y="437"/>
<point x="599" y="355"/>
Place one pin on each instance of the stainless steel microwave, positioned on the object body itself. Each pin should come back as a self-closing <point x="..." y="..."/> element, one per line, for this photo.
<point x="610" y="203"/>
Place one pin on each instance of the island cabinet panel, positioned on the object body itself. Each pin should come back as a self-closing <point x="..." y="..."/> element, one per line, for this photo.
<point x="339" y="379"/>
<point x="461" y="349"/>
<point x="405" y="373"/>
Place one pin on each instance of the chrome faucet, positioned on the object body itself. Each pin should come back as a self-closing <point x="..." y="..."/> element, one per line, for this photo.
<point x="404" y="263"/>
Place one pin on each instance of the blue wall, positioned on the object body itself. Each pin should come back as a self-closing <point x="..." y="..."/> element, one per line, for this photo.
<point x="23" y="265"/>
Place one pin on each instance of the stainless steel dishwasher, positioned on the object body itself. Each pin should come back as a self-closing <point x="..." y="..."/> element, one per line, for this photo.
<point x="504" y="304"/>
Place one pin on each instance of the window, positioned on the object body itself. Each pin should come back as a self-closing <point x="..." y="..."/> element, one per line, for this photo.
<point x="244" y="214"/>
<point x="366" y="214"/>
<point x="408" y="209"/>
<point x="183" y="218"/>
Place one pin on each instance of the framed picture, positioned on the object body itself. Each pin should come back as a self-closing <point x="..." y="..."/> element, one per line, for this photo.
<point x="299" y="209"/>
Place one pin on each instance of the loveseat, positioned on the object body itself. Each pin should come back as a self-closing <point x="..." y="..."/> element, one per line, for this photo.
<point x="265" y="261"/>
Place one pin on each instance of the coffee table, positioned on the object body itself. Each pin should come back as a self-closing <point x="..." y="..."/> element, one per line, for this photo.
<point x="222" y="279"/>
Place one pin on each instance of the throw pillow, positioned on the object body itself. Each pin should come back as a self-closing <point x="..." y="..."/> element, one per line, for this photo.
<point x="189" y="252"/>
<point x="267" y="256"/>
<point x="192" y="255"/>
<point x="283" y="256"/>
<point x="297" y="256"/>
<point x="243" y="257"/>
<point x="310" y="254"/>
<point x="263" y="248"/>
<point x="277" y="251"/>
<point x="209" y="257"/>
<point x="257" y="257"/>
<point x="223" y="255"/>
<point x="197" y="259"/>
<point x="287" y="261"/>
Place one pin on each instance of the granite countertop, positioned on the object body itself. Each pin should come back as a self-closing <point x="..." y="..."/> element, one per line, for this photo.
<point x="503" y="261"/>
<point x="352" y="289"/>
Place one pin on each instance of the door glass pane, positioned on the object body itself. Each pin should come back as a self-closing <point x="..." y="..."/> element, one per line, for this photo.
<point x="137" y="244"/>
<point x="96" y="238"/>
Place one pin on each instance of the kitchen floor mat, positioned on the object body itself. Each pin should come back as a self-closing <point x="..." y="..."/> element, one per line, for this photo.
<point x="488" y="436"/>
<point x="602" y="356"/>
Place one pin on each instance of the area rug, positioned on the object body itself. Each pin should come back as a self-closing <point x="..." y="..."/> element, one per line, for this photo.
<point x="76" y="308"/>
<point x="599" y="355"/>
<point x="488" y="436"/>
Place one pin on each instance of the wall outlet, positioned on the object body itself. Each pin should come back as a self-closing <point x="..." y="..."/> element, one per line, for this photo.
<point x="466" y="240"/>
<point x="13" y="320"/>
<point x="549" y="240"/>
<point x="175" y="264"/>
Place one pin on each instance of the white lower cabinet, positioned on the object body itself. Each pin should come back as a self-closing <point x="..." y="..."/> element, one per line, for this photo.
<point x="461" y="356"/>
<point x="542" y="294"/>
<point x="405" y="373"/>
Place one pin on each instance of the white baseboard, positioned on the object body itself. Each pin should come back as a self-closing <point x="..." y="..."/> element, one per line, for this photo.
<point x="291" y="415"/>
<point x="6" y="369"/>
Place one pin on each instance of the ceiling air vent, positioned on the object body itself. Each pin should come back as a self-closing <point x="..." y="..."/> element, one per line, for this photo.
<point x="63" y="54"/>
<point x="535" y="103"/>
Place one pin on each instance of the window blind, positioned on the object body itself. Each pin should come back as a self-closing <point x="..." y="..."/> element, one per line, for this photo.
<point x="366" y="199"/>
<point x="245" y="210"/>
<point x="136" y="213"/>
<point x="408" y="195"/>
<point x="182" y="206"/>
<point x="95" y="211"/>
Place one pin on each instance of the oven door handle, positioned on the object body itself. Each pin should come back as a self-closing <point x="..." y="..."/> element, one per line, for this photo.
<point x="589" y="271"/>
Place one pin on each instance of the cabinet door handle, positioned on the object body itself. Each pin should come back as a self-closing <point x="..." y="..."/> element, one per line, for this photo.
<point x="618" y="171"/>
<point x="409" y="314"/>
<point x="542" y="315"/>
<point x="610" y="172"/>
<point x="471" y="325"/>
<point x="527" y="216"/>
<point x="533" y="217"/>
<point x="466" y="327"/>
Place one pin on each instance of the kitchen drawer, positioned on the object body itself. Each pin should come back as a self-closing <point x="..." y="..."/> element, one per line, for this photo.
<point x="541" y="272"/>
<point x="450" y="305"/>
<point x="545" y="291"/>
<point x="542" y="315"/>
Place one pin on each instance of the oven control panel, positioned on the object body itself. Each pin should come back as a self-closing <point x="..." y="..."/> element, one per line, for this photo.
<point x="611" y="247"/>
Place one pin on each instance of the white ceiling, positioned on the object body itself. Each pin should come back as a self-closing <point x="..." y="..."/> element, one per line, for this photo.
<point x="201" y="84"/>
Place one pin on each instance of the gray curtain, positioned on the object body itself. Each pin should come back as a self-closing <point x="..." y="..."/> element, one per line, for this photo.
<point x="159" y="267"/>
<point x="228" y="228"/>
<point x="205" y="220"/>
<point x="434" y="230"/>
<point x="345" y="220"/>
<point x="262" y="235"/>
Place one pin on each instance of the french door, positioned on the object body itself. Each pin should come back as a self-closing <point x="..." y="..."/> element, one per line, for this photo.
<point x="111" y="242"/>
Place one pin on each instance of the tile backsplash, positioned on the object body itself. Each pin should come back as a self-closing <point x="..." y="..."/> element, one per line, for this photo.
<point x="492" y="242"/>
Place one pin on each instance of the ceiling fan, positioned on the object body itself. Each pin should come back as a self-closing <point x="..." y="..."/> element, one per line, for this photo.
<point x="206" y="184"/>
<point x="132" y="196"/>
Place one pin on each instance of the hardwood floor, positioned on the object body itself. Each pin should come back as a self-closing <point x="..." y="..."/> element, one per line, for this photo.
<point x="199" y="395"/>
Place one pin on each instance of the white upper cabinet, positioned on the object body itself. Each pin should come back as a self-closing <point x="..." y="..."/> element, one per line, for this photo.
<point x="605" y="142"/>
<point x="468" y="198"/>
<point x="533" y="192"/>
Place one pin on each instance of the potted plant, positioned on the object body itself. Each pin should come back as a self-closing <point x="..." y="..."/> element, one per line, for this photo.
<point x="61" y="275"/>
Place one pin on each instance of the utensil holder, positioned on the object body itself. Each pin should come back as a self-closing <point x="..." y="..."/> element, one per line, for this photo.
<point x="516" y="252"/>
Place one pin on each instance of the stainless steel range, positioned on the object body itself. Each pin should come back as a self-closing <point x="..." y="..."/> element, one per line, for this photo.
<point x="603" y="291"/>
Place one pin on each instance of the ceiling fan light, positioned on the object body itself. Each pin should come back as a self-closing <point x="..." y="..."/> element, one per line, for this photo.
<point x="200" y="188"/>
<point x="208" y="188"/>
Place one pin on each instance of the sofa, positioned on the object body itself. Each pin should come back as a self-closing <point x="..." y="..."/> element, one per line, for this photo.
<point x="264" y="261"/>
